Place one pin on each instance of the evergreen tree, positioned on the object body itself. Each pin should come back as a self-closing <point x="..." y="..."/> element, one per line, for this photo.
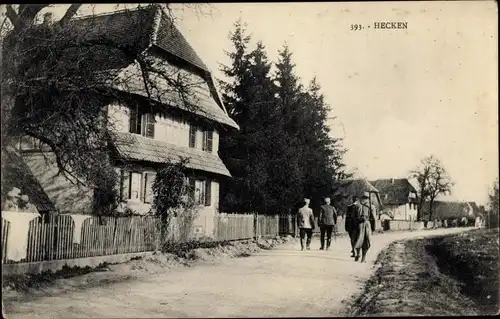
<point x="283" y="151"/>
<point x="249" y="97"/>
<point x="287" y="169"/>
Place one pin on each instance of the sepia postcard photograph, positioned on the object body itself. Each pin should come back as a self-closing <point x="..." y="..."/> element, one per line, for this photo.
<point x="249" y="160"/>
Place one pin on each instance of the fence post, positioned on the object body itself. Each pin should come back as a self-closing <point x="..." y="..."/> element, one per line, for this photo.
<point x="277" y="218"/>
<point x="255" y="226"/>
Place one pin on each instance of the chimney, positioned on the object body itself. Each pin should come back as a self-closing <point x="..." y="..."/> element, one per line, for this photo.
<point x="48" y="18"/>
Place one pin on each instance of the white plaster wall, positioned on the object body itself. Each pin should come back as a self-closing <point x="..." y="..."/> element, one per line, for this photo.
<point x="205" y="220"/>
<point x="118" y="116"/>
<point x="402" y="212"/>
<point x="167" y="128"/>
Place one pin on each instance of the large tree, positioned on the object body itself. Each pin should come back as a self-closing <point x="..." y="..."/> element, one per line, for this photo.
<point x="283" y="151"/>
<point x="248" y="95"/>
<point x="58" y="77"/>
<point x="433" y="180"/>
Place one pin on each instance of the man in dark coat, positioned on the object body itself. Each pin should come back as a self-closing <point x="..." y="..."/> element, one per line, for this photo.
<point x="365" y="216"/>
<point x="327" y="221"/>
<point x="351" y="222"/>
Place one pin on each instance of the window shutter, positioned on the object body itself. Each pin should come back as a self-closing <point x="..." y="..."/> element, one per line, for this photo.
<point x="192" y="188"/>
<point x="125" y="185"/>
<point x="208" y="192"/>
<point x="133" y="120"/>
<point x="149" y="179"/>
<point x="204" y="141"/>
<point x="192" y="136"/>
<point x="210" y="139"/>
<point x="150" y="125"/>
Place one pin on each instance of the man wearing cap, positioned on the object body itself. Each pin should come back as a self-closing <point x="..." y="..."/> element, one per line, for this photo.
<point x="305" y="223"/>
<point x="327" y="220"/>
<point x="365" y="218"/>
<point x="351" y="222"/>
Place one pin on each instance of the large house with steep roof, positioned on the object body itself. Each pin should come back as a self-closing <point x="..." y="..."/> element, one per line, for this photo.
<point x="147" y="137"/>
<point x="399" y="198"/>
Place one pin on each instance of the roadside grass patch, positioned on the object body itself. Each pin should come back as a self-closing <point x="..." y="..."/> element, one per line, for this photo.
<point x="408" y="283"/>
<point x="471" y="258"/>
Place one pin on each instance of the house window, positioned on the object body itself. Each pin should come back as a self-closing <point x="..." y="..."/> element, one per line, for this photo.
<point x="192" y="136"/>
<point x="149" y="179"/>
<point x="201" y="191"/>
<point x="131" y="186"/>
<point x="148" y="125"/>
<point x="141" y="123"/>
<point x="208" y="137"/>
<point x="135" y="186"/>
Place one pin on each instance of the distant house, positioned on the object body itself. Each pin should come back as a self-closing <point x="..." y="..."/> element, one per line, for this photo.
<point x="346" y="189"/>
<point x="449" y="210"/>
<point x="399" y="198"/>
<point x="148" y="137"/>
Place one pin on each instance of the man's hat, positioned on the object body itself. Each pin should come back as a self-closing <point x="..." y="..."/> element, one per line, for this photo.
<point x="365" y="195"/>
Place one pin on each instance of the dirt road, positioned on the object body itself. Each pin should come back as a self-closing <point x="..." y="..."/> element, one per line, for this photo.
<point x="279" y="282"/>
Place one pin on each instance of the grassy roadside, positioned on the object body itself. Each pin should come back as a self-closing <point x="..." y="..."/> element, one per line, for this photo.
<point x="408" y="283"/>
<point x="472" y="258"/>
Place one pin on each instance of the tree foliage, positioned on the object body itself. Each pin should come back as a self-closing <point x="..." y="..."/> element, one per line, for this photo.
<point x="173" y="202"/>
<point x="59" y="76"/>
<point x="433" y="180"/>
<point x="170" y="190"/>
<point x="283" y="151"/>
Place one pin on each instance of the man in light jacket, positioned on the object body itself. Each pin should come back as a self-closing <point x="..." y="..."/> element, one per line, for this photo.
<point x="327" y="221"/>
<point x="305" y="223"/>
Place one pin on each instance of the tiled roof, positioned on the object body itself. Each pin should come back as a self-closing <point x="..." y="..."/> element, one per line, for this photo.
<point x="140" y="29"/>
<point x="199" y="100"/>
<point x="169" y="38"/>
<point x="394" y="191"/>
<point x="20" y="175"/>
<point x="136" y="147"/>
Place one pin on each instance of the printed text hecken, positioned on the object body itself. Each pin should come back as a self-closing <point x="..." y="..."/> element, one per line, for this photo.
<point x="390" y="25"/>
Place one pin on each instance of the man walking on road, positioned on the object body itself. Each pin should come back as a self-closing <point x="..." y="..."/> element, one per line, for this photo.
<point x="327" y="220"/>
<point x="365" y="219"/>
<point x="305" y="222"/>
<point x="351" y="223"/>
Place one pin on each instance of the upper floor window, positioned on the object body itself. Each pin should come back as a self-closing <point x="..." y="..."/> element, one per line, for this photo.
<point x="208" y="137"/>
<point x="141" y="122"/>
<point x="206" y="142"/>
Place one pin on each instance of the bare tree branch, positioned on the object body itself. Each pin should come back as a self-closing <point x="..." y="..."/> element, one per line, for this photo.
<point x="12" y="15"/>
<point x="70" y="13"/>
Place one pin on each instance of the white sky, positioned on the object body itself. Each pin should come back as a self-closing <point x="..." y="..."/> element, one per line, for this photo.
<point x="399" y="94"/>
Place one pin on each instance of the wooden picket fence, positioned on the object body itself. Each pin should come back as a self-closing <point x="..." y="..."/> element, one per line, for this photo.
<point x="267" y="225"/>
<point x="51" y="238"/>
<point x="233" y="227"/>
